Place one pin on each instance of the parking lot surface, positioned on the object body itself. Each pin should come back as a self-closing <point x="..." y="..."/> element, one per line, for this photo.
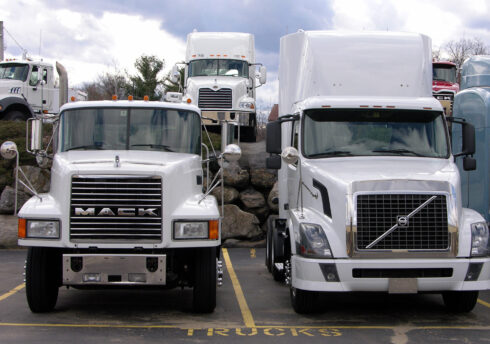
<point x="251" y="307"/>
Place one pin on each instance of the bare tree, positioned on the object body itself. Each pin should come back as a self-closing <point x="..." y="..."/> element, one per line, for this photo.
<point x="460" y="50"/>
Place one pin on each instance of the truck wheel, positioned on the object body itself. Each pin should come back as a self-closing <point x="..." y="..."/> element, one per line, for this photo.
<point x="460" y="301"/>
<point x="43" y="269"/>
<point x="303" y="301"/>
<point x="205" y="280"/>
<point x="15" y="116"/>
<point x="268" y="247"/>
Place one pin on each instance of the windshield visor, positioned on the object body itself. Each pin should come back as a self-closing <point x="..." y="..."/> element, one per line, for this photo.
<point x="373" y="132"/>
<point x="165" y="130"/>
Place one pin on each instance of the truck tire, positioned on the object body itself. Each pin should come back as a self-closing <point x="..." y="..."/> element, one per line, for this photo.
<point x="15" y="116"/>
<point x="460" y="301"/>
<point x="303" y="301"/>
<point x="43" y="276"/>
<point x="204" y="294"/>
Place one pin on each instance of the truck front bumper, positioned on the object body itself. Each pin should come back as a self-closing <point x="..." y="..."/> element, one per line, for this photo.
<point x="377" y="275"/>
<point x="114" y="269"/>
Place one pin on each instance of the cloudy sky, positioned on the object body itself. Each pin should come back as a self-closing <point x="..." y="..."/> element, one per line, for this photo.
<point x="93" y="36"/>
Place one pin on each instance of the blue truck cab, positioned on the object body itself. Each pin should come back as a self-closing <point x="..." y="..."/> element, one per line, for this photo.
<point x="472" y="104"/>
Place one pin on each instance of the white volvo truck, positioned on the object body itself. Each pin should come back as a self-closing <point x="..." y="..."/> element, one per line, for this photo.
<point x="369" y="193"/>
<point x="126" y="205"/>
<point x="29" y="88"/>
<point x="220" y="78"/>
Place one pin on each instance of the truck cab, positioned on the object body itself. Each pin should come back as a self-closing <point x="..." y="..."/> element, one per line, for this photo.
<point x="220" y="78"/>
<point x="126" y="205"/>
<point x="369" y="194"/>
<point x="445" y="84"/>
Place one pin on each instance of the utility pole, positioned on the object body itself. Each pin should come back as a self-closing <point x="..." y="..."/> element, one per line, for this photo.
<point x="1" y="40"/>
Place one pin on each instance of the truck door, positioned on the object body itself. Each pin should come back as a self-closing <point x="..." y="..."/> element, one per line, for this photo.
<point x="293" y="169"/>
<point x="34" y="88"/>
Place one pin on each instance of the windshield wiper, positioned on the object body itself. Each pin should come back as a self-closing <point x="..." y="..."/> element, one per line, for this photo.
<point x="330" y="153"/>
<point x="164" y="147"/>
<point x="400" y="151"/>
<point x="98" y="147"/>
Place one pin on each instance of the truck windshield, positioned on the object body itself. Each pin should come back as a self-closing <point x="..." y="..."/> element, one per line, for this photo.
<point x="14" y="71"/>
<point x="213" y="67"/>
<point x="149" y="129"/>
<point x="444" y="73"/>
<point x="373" y="132"/>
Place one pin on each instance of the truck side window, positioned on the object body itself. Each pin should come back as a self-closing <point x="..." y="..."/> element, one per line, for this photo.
<point x="295" y="137"/>
<point x="34" y="76"/>
<point x="45" y="76"/>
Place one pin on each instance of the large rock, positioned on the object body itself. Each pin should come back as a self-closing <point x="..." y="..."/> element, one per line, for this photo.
<point x="235" y="243"/>
<point x="236" y="177"/>
<point x="252" y="198"/>
<point x="39" y="178"/>
<point x="239" y="224"/>
<point x="7" y="200"/>
<point x="230" y="194"/>
<point x="261" y="212"/>
<point x="8" y="231"/>
<point x="262" y="178"/>
<point x="273" y="199"/>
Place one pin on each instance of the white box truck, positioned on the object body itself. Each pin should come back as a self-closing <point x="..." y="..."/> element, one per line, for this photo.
<point x="369" y="193"/>
<point x="29" y="88"/>
<point x="220" y="78"/>
<point x="126" y="206"/>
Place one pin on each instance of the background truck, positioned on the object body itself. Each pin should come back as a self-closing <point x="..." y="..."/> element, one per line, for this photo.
<point x="28" y="88"/>
<point x="473" y="105"/>
<point x="445" y="84"/>
<point x="126" y="205"/>
<point x="369" y="194"/>
<point x="220" y="78"/>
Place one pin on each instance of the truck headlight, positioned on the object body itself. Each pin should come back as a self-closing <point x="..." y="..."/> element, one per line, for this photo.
<point x="479" y="239"/>
<point x="246" y="105"/>
<point x="313" y="242"/>
<point x="196" y="230"/>
<point x="42" y="229"/>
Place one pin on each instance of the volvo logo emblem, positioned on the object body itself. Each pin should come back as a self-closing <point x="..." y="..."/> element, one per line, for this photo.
<point x="402" y="221"/>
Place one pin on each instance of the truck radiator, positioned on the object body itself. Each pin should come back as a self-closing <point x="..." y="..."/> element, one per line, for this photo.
<point x="116" y="208"/>
<point x="426" y="230"/>
<point x="210" y="99"/>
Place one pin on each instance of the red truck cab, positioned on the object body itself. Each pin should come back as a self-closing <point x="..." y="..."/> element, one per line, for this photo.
<point x="445" y="84"/>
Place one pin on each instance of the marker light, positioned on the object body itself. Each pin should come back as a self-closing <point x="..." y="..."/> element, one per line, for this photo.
<point x="22" y="228"/>
<point x="114" y="97"/>
<point x="130" y="97"/>
<point x="189" y="100"/>
<point x="72" y="98"/>
<point x="146" y="98"/>
<point x="214" y="229"/>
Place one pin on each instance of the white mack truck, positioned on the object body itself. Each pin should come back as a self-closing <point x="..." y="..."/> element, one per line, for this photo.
<point x="220" y="78"/>
<point x="29" y="88"/>
<point x="126" y="205"/>
<point x="369" y="192"/>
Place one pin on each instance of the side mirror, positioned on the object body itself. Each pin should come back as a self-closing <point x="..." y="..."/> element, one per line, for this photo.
<point x="232" y="153"/>
<point x="290" y="155"/>
<point x="175" y="74"/>
<point x="468" y="139"/>
<point x="263" y="75"/>
<point x="469" y="164"/>
<point x="273" y="139"/>
<point x="8" y="150"/>
<point x="273" y="162"/>
<point x="36" y="134"/>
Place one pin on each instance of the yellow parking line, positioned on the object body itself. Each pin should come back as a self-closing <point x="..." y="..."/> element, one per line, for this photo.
<point x="12" y="292"/>
<point x="247" y="315"/>
<point x="481" y="302"/>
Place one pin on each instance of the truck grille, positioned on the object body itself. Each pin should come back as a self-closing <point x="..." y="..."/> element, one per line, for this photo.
<point x="210" y="99"/>
<point x="116" y="208"/>
<point x="426" y="230"/>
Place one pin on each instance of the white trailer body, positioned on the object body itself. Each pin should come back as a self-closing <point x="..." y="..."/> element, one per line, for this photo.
<point x="220" y="77"/>
<point x="369" y="198"/>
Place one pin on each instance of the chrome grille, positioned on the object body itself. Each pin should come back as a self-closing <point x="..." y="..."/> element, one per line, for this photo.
<point x="426" y="230"/>
<point x="210" y="99"/>
<point x="116" y="208"/>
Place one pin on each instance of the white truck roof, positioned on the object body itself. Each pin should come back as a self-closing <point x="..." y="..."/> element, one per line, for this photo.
<point x="129" y="104"/>
<point x="226" y="45"/>
<point x="353" y="64"/>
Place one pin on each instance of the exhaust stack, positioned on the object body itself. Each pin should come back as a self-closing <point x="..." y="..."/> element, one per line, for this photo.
<point x="63" y="83"/>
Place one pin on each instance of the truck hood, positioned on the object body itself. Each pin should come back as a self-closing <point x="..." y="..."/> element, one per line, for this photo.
<point x="129" y="161"/>
<point x="439" y="85"/>
<point x="384" y="173"/>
